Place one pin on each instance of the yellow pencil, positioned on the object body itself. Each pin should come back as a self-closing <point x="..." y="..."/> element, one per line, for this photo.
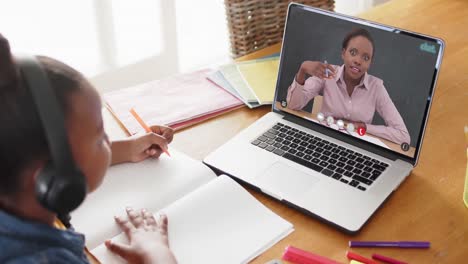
<point x="145" y="126"/>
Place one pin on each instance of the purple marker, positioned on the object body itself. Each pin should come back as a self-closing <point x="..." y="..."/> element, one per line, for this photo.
<point x="399" y="244"/>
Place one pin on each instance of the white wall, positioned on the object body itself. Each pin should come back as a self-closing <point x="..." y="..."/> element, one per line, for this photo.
<point x="354" y="7"/>
<point x="119" y="43"/>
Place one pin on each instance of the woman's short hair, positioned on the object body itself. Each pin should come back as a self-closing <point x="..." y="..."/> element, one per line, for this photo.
<point x="358" y="32"/>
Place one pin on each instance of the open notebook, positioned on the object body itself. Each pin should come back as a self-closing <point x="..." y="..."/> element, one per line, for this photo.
<point x="211" y="219"/>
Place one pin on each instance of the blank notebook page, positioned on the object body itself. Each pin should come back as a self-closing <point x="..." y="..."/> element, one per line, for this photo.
<point x="219" y="222"/>
<point x="152" y="184"/>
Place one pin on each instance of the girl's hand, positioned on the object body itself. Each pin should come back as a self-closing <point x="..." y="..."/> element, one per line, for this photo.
<point x="150" y="144"/>
<point x="142" y="146"/>
<point x="148" y="239"/>
<point x="166" y="132"/>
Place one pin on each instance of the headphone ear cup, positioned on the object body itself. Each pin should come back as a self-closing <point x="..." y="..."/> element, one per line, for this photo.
<point x="60" y="193"/>
<point x="67" y="192"/>
<point x="43" y="183"/>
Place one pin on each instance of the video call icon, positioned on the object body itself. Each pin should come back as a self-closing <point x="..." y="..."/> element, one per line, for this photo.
<point x="284" y="104"/>
<point x="361" y="131"/>
<point x="337" y="124"/>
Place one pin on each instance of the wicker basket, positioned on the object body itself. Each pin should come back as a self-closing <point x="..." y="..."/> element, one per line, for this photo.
<point x="255" y="24"/>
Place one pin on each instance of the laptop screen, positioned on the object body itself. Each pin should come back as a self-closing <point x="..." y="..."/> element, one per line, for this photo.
<point x="366" y="80"/>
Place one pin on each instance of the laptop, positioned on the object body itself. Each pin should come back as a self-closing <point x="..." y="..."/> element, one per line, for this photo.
<point x="351" y="105"/>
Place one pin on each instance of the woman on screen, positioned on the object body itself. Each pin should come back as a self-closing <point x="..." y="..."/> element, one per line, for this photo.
<point x="349" y="92"/>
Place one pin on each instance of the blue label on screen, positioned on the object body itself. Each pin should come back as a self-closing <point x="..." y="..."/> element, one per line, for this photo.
<point x="428" y="48"/>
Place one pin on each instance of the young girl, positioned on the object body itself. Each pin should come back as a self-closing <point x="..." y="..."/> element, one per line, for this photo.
<point x="28" y="231"/>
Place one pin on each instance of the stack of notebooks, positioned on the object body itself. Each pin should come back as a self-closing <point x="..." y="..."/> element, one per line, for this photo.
<point x="186" y="99"/>
<point x="253" y="82"/>
<point x="178" y="101"/>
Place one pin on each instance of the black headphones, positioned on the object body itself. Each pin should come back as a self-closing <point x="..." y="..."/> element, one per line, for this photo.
<point x="60" y="186"/>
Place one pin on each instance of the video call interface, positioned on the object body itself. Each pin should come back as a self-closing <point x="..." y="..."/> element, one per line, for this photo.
<point x="373" y="83"/>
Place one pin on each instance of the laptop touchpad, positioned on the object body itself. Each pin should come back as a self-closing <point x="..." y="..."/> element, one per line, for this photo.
<point x="286" y="181"/>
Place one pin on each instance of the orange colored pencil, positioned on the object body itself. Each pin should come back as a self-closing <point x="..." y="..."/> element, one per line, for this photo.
<point x="145" y="126"/>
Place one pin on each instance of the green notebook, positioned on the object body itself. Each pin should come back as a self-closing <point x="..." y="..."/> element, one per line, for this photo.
<point x="233" y="76"/>
<point x="260" y="76"/>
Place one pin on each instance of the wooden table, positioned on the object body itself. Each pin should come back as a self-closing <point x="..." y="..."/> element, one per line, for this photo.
<point x="428" y="205"/>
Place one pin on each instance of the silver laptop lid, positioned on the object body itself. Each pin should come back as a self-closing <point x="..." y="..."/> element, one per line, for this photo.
<point x="365" y="83"/>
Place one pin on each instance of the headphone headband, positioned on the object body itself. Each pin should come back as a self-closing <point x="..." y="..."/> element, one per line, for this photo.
<point x="60" y="186"/>
<point x="50" y="112"/>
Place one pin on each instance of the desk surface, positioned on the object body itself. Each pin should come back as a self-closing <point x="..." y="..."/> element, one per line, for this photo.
<point x="428" y="205"/>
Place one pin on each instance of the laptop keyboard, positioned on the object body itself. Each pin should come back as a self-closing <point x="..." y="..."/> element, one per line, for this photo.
<point x="342" y="164"/>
